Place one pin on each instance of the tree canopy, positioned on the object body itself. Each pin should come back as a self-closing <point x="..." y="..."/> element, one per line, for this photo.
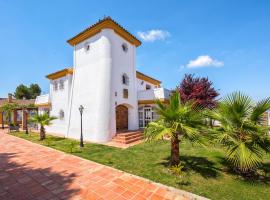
<point x="24" y="92"/>
<point x="199" y="90"/>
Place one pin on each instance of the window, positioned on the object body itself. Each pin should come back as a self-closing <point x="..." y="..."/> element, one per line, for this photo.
<point x="125" y="79"/>
<point x="148" y="87"/>
<point x="125" y="47"/>
<point x="55" y="85"/>
<point x="61" y="115"/>
<point x="61" y="85"/>
<point x="125" y="93"/>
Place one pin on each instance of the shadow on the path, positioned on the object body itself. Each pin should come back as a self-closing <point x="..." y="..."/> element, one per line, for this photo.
<point x="19" y="181"/>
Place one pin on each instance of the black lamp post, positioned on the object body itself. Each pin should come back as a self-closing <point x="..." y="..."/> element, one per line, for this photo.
<point x="26" y="121"/>
<point x="81" y="112"/>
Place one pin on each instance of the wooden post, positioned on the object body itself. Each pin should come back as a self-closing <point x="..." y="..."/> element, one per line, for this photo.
<point x="2" y="120"/>
<point x="24" y="116"/>
<point x="15" y="116"/>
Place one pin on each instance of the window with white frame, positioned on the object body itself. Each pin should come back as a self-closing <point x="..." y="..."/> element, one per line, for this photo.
<point x="61" y="84"/>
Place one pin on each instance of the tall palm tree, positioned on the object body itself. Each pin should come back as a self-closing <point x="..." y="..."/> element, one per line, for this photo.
<point x="43" y="120"/>
<point x="177" y="120"/>
<point x="242" y="129"/>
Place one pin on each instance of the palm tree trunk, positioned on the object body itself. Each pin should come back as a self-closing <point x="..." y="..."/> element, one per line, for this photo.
<point x="175" y="160"/>
<point x="42" y="133"/>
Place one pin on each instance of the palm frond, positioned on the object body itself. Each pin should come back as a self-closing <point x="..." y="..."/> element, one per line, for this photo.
<point x="259" y="110"/>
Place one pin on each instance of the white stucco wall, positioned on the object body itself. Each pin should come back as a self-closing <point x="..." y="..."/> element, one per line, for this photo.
<point x="96" y="78"/>
<point x="59" y="101"/>
<point x="141" y="84"/>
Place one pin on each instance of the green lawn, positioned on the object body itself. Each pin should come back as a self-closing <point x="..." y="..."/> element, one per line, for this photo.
<point x="205" y="169"/>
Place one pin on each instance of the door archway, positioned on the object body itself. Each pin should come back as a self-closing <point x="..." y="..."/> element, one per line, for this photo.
<point x="121" y="118"/>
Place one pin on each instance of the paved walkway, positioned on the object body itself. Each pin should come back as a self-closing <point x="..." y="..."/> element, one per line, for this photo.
<point x="31" y="171"/>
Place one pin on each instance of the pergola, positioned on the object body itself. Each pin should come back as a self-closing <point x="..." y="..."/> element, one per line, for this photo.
<point x="21" y="111"/>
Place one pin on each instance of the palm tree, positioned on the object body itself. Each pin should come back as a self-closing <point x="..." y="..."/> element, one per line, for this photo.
<point x="43" y="120"/>
<point x="241" y="128"/>
<point x="177" y="120"/>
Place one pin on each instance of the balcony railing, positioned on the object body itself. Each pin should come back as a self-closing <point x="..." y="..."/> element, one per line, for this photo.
<point x="152" y="94"/>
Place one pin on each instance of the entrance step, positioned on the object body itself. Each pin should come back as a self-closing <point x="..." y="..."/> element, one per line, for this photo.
<point x="128" y="137"/>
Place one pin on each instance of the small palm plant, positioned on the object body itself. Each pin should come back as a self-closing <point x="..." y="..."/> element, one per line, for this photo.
<point x="241" y="128"/>
<point x="43" y="120"/>
<point x="177" y="120"/>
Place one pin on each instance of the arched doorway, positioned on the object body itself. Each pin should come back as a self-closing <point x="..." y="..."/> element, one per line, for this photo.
<point x="121" y="118"/>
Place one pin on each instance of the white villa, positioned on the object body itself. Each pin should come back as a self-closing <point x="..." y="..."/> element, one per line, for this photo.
<point x="116" y="98"/>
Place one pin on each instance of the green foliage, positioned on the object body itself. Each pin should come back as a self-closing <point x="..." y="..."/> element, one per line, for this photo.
<point x="34" y="90"/>
<point x="72" y="145"/>
<point x="8" y="108"/>
<point x="183" y="119"/>
<point x="42" y="119"/>
<point x="177" y="170"/>
<point x="242" y="130"/>
<point x="177" y="121"/>
<point x="24" y="92"/>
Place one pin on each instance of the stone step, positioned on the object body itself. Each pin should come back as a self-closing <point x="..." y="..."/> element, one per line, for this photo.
<point x="127" y="141"/>
<point x="128" y="133"/>
<point x="128" y="136"/>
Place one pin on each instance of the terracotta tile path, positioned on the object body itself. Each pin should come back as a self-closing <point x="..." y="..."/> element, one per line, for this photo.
<point x="31" y="171"/>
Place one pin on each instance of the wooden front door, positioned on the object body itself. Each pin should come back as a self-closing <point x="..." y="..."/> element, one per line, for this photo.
<point x="121" y="118"/>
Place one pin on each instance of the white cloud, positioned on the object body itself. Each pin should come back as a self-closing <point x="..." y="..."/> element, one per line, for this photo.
<point x="204" y="61"/>
<point x="152" y="35"/>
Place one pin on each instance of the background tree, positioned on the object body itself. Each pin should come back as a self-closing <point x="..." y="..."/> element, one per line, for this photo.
<point x="42" y="120"/>
<point x="242" y="130"/>
<point x="24" y="92"/>
<point x="199" y="90"/>
<point x="34" y="91"/>
<point x="178" y="120"/>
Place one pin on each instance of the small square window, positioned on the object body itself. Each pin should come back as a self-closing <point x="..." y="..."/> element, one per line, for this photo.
<point x="125" y="93"/>
<point x="148" y="87"/>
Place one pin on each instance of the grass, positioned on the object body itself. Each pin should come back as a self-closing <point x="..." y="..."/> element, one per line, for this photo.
<point x="205" y="171"/>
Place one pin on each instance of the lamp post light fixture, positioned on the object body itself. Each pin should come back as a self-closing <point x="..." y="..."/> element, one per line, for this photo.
<point x="81" y="108"/>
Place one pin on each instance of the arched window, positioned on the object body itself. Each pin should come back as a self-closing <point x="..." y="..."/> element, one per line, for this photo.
<point x="125" y="79"/>
<point x="61" y="115"/>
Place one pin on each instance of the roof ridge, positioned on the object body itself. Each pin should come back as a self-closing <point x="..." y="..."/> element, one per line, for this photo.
<point x="100" y="21"/>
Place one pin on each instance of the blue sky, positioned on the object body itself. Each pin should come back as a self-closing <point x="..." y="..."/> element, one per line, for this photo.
<point x="227" y="41"/>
